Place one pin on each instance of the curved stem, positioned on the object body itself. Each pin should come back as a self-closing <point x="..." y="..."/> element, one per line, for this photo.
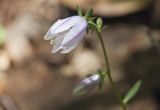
<point x="108" y="72"/>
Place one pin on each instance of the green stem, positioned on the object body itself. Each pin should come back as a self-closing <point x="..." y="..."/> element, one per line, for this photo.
<point x="108" y="72"/>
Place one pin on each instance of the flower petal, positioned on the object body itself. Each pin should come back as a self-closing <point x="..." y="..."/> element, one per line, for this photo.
<point x="57" y="41"/>
<point x="57" y="45"/>
<point x="68" y="49"/>
<point x="75" y="34"/>
<point x="49" y="35"/>
<point x="74" y="44"/>
<point x="69" y="23"/>
<point x="91" y="80"/>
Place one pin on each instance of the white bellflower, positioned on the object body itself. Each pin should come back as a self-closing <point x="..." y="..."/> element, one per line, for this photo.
<point x="67" y="33"/>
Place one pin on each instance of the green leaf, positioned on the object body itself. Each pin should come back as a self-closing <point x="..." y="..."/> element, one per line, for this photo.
<point x="89" y="14"/>
<point x="79" y="10"/>
<point x="132" y="92"/>
<point x="99" y="23"/>
<point x="92" y="24"/>
<point x="2" y="36"/>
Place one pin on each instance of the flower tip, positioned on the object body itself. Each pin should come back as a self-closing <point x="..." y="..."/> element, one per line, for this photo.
<point x="46" y="37"/>
<point x="79" y="90"/>
<point x="86" y="85"/>
<point x="54" y="51"/>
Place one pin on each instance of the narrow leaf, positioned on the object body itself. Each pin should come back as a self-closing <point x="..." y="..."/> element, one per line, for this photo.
<point x="79" y="10"/>
<point x="89" y="13"/>
<point x="132" y="92"/>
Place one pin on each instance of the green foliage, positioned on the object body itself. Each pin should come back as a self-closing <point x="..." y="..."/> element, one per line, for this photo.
<point x="99" y="23"/>
<point x="132" y="92"/>
<point x="89" y="14"/>
<point x="79" y="10"/>
<point x="2" y="35"/>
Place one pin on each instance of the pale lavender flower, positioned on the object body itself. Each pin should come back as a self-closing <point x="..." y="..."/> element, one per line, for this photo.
<point x="67" y="33"/>
<point x="87" y="84"/>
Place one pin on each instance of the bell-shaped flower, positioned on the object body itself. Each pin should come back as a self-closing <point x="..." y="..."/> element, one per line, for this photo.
<point x="87" y="84"/>
<point x="67" y="33"/>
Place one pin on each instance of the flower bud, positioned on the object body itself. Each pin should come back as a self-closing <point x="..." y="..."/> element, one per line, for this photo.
<point x="87" y="85"/>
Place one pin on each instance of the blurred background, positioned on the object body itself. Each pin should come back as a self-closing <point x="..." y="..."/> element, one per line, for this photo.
<point x="32" y="78"/>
